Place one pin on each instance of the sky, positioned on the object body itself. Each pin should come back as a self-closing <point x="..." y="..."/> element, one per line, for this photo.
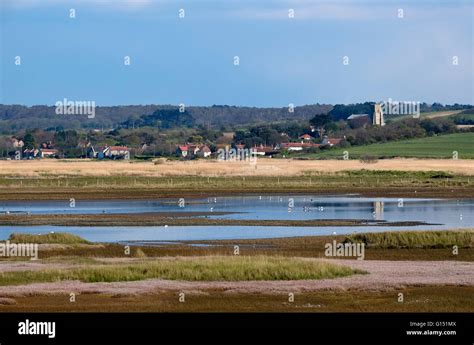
<point x="329" y="52"/>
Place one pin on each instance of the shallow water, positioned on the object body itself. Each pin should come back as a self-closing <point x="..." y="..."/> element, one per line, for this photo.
<point x="446" y="213"/>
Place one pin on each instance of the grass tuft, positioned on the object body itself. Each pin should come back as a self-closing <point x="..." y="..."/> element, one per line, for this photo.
<point x="415" y="239"/>
<point x="56" y="237"/>
<point x="214" y="268"/>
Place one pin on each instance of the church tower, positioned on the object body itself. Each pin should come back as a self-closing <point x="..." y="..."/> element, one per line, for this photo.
<point x="377" y="118"/>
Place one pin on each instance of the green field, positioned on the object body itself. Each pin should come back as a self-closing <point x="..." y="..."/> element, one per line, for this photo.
<point x="431" y="147"/>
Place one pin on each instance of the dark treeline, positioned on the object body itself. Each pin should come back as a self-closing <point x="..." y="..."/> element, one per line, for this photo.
<point x="343" y="111"/>
<point x="399" y="130"/>
<point x="18" y="117"/>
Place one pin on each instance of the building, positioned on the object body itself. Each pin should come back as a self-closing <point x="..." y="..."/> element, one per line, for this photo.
<point x="48" y="153"/>
<point x="306" y="137"/>
<point x="204" y="151"/>
<point x="378" y="118"/>
<point x="263" y="150"/>
<point x="182" y="150"/>
<point x="112" y="152"/>
<point x="297" y="146"/>
<point x="117" y="152"/>
<point x="291" y="146"/>
<point x="331" y="141"/>
<point x="358" y="120"/>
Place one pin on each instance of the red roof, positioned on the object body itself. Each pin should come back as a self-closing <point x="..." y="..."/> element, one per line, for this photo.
<point x="306" y="136"/>
<point x="183" y="147"/>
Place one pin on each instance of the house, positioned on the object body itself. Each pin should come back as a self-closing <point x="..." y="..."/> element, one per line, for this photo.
<point x="48" y="153"/>
<point x="112" y="152"/>
<point x="182" y="150"/>
<point x="297" y="146"/>
<point x="306" y="137"/>
<point x="331" y="141"/>
<point x="204" y="151"/>
<point x="291" y="146"/>
<point x="263" y="150"/>
<point x="191" y="150"/>
<point x="117" y="152"/>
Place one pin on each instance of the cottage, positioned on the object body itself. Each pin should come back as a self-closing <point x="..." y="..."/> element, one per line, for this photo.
<point x="48" y="153"/>
<point x="331" y="141"/>
<point x="292" y="146"/>
<point x="182" y="150"/>
<point x="204" y="151"/>
<point x="117" y="152"/>
<point x="263" y="150"/>
<point x="306" y="137"/>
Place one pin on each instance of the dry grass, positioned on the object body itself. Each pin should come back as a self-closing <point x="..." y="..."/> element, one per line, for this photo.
<point x="264" y="167"/>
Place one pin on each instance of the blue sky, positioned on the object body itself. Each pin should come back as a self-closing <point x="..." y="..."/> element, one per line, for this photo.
<point x="190" y="60"/>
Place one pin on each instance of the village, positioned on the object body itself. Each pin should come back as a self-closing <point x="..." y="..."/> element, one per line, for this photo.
<point x="185" y="151"/>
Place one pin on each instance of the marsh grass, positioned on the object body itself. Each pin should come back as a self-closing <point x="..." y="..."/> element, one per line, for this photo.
<point x="415" y="239"/>
<point x="216" y="268"/>
<point x="56" y="238"/>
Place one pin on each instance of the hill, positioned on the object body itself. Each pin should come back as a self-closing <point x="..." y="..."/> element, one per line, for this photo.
<point x="441" y="146"/>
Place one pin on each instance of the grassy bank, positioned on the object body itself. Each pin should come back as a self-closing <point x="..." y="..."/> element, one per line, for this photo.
<point x="415" y="239"/>
<point x="203" y="269"/>
<point x="367" y="182"/>
<point x="310" y="246"/>
<point x="180" y="219"/>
